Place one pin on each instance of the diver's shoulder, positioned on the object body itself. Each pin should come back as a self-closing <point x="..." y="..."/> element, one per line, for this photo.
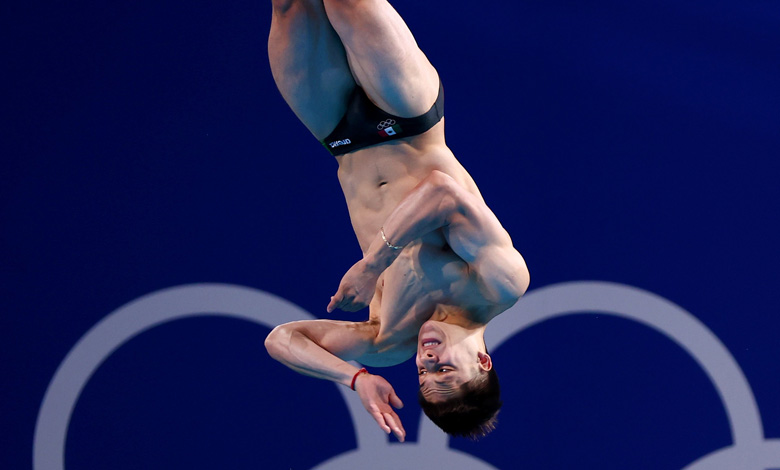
<point x="389" y="353"/>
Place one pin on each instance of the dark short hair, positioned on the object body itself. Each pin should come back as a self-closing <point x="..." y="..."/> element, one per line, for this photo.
<point x="472" y="413"/>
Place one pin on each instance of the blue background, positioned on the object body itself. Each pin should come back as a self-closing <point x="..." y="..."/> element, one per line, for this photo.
<point x="146" y="146"/>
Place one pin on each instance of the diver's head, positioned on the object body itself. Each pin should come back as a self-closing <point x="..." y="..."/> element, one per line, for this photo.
<point x="459" y="388"/>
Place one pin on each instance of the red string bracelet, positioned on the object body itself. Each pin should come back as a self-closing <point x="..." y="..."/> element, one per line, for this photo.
<point x="361" y="371"/>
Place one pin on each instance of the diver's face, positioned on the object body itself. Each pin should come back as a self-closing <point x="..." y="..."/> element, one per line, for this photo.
<point x="447" y="357"/>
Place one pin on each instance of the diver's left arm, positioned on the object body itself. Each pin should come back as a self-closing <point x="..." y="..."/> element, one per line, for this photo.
<point x="321" y="349"/>
<point x="470" y="227"/>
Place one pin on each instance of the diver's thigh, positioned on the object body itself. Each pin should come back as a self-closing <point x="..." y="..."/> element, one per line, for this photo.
<point x="309" y="64"/>
<point x="384" y="56"/>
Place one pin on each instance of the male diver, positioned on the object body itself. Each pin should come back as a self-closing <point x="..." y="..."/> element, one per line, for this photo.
<point x="437" y="264"/>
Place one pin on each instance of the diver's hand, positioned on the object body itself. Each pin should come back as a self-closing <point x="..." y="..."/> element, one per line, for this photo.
<point x="377" y="395"/>
<point x="356" y="289"/>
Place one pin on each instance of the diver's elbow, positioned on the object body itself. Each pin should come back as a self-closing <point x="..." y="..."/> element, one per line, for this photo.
<point x="275" y="340"/>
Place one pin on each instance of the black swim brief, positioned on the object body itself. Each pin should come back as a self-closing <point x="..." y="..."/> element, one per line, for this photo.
<point x="364" y="124"/>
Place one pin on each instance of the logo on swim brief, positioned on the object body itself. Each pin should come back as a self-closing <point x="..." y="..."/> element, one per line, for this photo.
<point x="339" y="143"/>
<point x="388" y="128"/>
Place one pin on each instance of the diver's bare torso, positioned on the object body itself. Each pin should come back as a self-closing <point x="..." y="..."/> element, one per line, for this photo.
<point x="375" y="179"/>
<point x="427" y="279"/>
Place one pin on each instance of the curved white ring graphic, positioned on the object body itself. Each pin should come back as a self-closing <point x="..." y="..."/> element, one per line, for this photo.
<point x="656" y="312"/>
<point x="750" y="450"/>
<point x="124" y="324"/>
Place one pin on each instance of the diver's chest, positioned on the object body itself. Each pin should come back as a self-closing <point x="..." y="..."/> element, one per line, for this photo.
<point x="427" y="268"/>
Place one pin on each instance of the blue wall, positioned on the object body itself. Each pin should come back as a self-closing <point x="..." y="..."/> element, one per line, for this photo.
<point x="145" y="146"/>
